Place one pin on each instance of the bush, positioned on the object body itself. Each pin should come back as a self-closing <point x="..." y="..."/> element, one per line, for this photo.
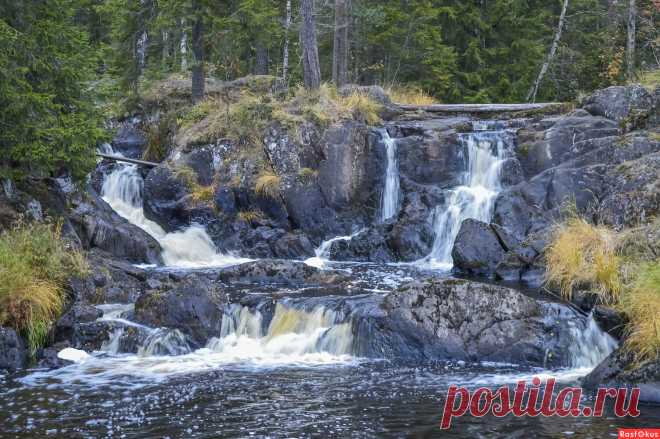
<point x="34" y="267"/>
<point x="584" y="256"/>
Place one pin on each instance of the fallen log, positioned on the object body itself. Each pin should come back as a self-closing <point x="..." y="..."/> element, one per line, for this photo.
<point x="480" y="108"/>
<point x="127" y="160"/>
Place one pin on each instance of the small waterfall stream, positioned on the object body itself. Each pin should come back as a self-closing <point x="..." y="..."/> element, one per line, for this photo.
<point x="486" y="149"/>
<point x="189" y="248"/>
<point x="390" y="200"/>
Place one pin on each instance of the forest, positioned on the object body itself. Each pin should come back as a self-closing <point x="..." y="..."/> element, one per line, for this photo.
<point x="75" y="62"/>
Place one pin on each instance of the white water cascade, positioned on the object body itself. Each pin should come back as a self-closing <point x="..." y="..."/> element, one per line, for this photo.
<point x="189" y="248"/>
<point x="486" y="151"/>
<point x="592" y="345"/>
<point x="322" y="254"/>
<point x="390" y="200"/>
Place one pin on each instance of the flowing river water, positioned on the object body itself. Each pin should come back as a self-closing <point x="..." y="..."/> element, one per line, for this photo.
<point x="297" y="376"/>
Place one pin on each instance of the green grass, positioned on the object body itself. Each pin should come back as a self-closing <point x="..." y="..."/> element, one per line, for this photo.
<point x="34" y="267"/>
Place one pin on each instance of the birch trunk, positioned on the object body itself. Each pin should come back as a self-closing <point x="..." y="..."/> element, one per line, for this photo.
<point x="531" y="96"/>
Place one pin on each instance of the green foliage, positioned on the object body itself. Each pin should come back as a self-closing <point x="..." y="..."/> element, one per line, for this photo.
<point x="34" y="266"/>
<point x="48" y="120"/>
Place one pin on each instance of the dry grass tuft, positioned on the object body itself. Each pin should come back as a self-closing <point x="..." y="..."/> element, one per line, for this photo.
<point x="34" y="267"/>
<point x="250" y="216"/>
<point x="268" y="185"/>
<point x="642" y="305"/>
<point x="584" y="256"/>
<point x="411" y="96"/>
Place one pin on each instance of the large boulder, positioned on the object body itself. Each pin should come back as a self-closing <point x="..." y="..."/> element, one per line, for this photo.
<point x="167" y="198"/>
<point x="129" y="141"/>
<point x="619" y="370"/>
<point x="477" y="249"/>
<point x="625" y="104"/>
<point x="98" y="226"/>
<point x="13" y="352"/>
<point x="463" y="320"/>
<point x="193" y="306"/>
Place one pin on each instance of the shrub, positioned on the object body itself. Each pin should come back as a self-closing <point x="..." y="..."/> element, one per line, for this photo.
<point x="584" y="256"/>
<point x="34" y="266"/>
<point x="642" y="306"/>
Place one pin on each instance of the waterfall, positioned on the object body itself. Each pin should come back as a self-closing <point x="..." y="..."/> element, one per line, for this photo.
<point x="591" y="345"/>
<point x="293" y="335"/>
<point x="189" y="248"/>
<point x="322" y="253"/>
<point x="390" y="201"/>
<point x="474" y="198"/>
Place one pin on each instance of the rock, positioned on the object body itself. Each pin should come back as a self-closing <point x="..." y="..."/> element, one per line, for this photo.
<point x="309" y="212"/>
<point x="166" y="199"/>
<point x="48" y="358"/>
<point x="477" y="249"/>
<point x="368" y="246"/>
<point x="269" y="271"/>
<point x="620" y="371"/>
<point x="78" y="313"/>
<point x="129" y="141"/>
<point x="98" y="226"/>
<point x="628" y="104"/>
<point x="435" y="159"/>
<point x="463" y="320"/>
<point x="411" y="241"/>
<point x="610" y="320"/>
<point x="292" y="246"/>
<point x="13" y="352"/>
<point x="193" y="305"/>
<point x="549" y="148"/>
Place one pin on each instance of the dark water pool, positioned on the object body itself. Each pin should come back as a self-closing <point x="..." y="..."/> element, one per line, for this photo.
<point x="367" y="399"/>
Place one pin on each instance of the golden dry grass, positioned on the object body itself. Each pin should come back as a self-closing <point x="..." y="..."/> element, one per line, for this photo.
<point x="584" y="256"/>
<point x="641" y="303"/>
<point x="34" y="267"/>
<point x="268" y="185"/>
<point x="411" y="96"/>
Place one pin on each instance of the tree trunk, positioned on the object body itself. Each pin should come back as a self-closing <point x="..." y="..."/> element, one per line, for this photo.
<point x="198" y="55"/>
<point x="183" y="46"/>
<point x="630" y="49"/>
<point x="613" y="13"/>
<point x="311" y="66"/>
<point x="531" y="96"/>
<point x="285" y="55"/>
<point x="340" y="51"/>
<point x="261" y="67"/>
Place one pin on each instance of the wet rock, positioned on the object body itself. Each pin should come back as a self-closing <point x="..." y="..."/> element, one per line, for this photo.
<point x="619" y="370"/>
<point x="78" y="313"/>
<point x="166" y="199"/>
<point x="129" y="141"/>
<point x="98" y="226"/>
<point x="628" y="104"/>
<point x="368" y="246"/>
<point x="291" y="246"/>
<point x="459" y="319"/>
<point x="13" y="352"/>
<point x="437" y="159"/>
<point x="47" y="358"/>
<point x="193" y="305"/>
<point x="269" y="271"/>
<point x="477" y="249"/>
<point x="610" y="320"/>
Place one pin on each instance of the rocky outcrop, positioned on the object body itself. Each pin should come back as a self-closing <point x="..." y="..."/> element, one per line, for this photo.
<point x="129" y="140"/>
<point x="193" y="305"/>
<point x="615" y="372"/>
<point x="629" y="105"/>
<point x="13" y="352"/>
<point x="98" y="226"/>
<point x="463" y="320"/>
<point x="477" y="249"/>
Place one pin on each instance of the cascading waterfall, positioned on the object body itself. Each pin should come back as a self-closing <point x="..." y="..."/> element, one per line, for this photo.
<point x="486" y="151"/>
<point x="322" y="253"/>
<point x="390" y="201"/>
<point x="189" y="248"/>
<point x="591" y="345"/>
